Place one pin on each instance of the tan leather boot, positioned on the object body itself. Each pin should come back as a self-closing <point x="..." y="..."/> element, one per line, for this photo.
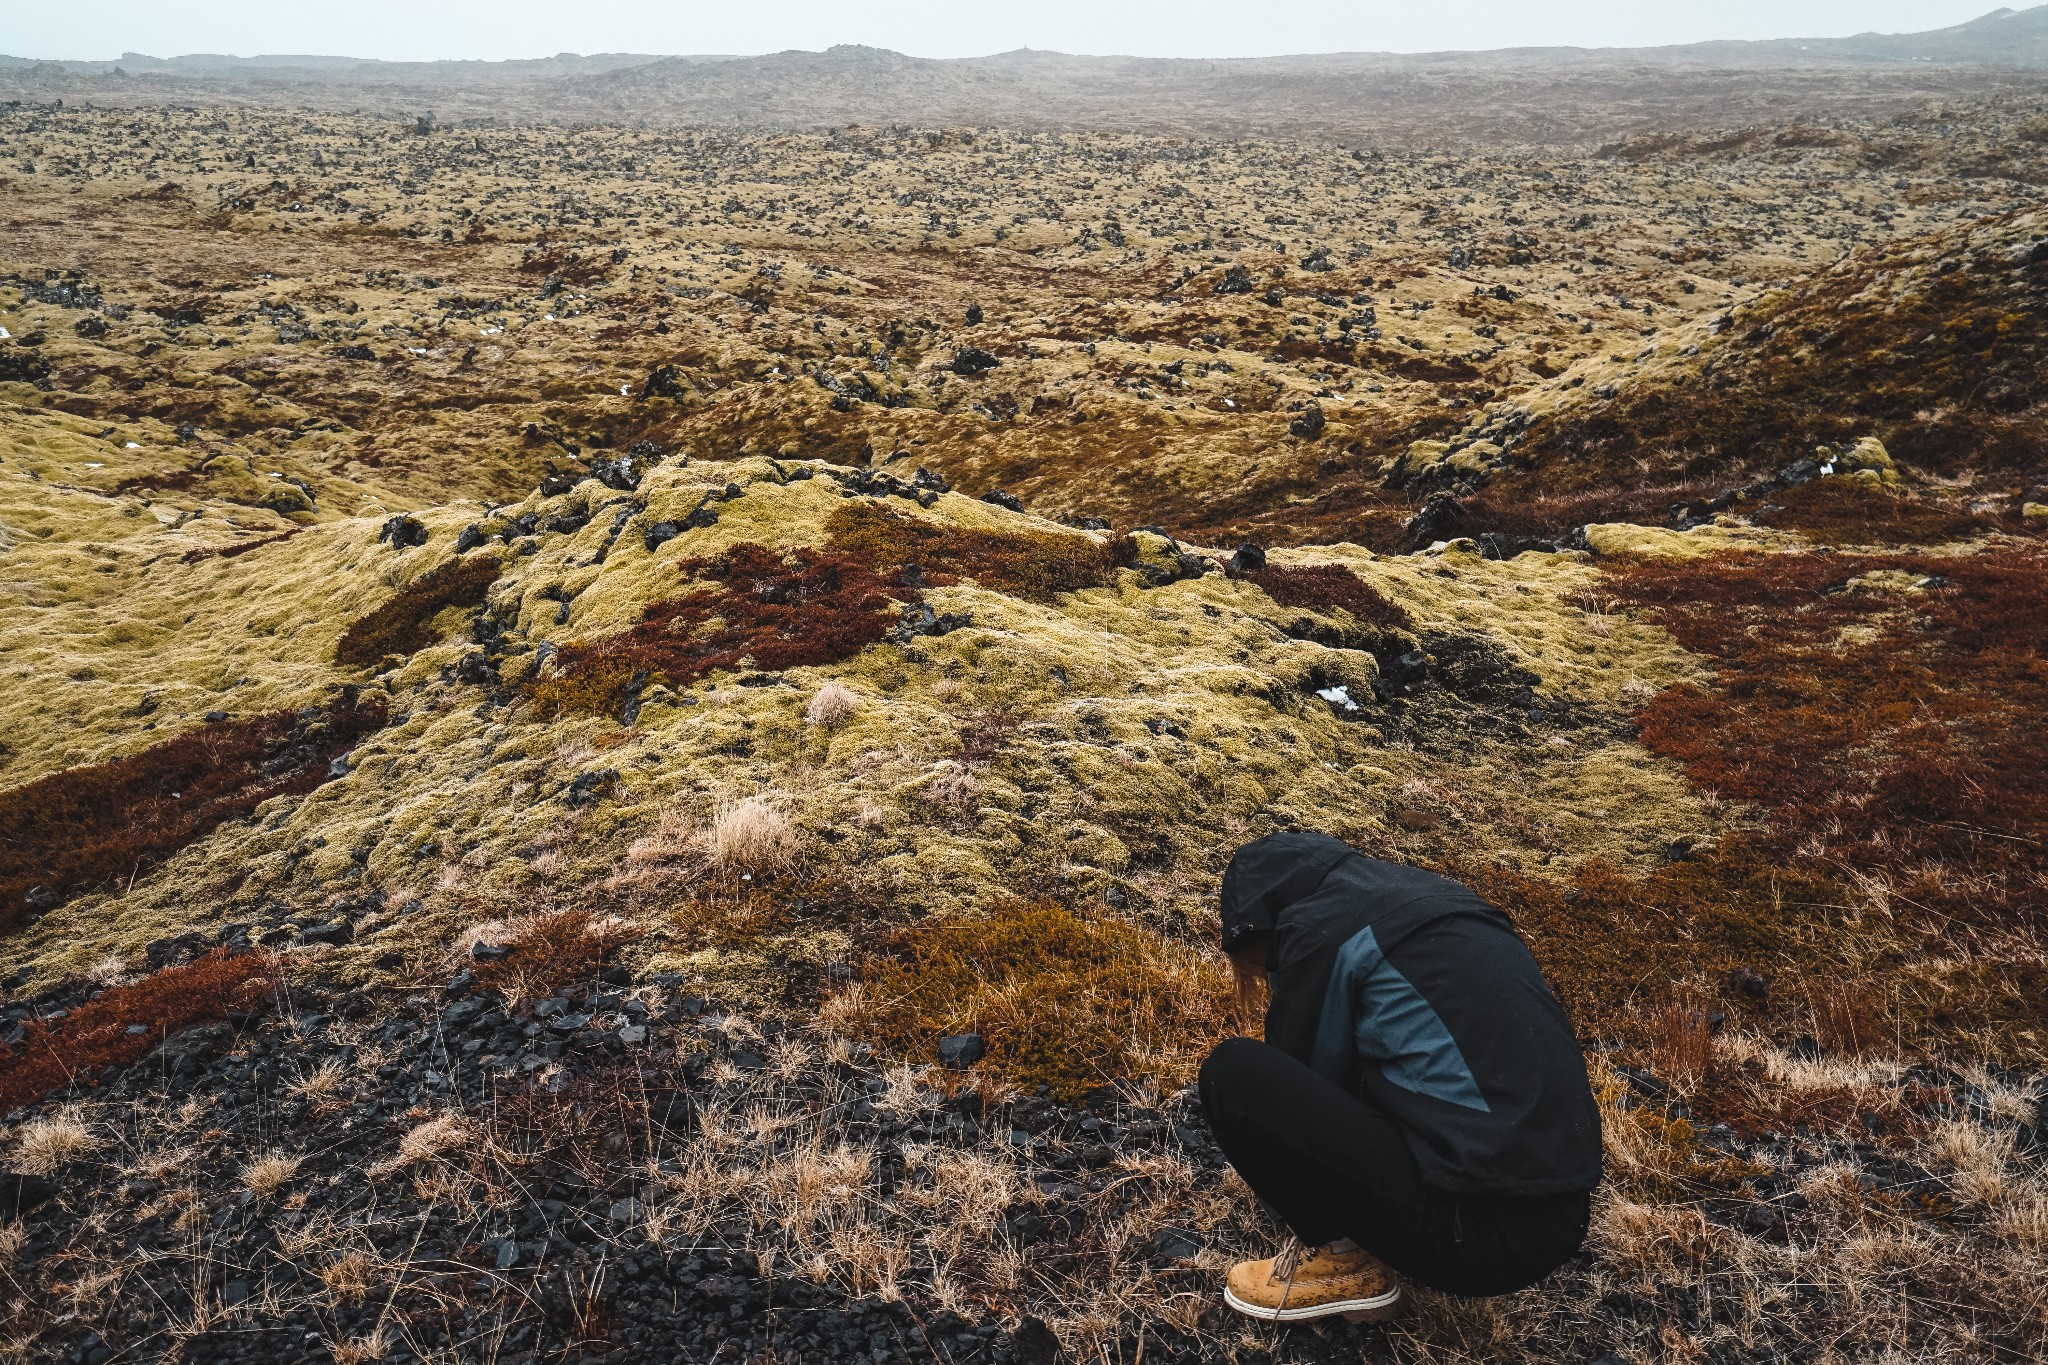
<point x="1314" y="1282"/>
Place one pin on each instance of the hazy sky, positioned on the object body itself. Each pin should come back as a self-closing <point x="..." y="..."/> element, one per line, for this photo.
<point x="492" y="29"/>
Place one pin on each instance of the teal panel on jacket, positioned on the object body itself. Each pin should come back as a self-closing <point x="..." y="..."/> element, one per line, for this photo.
<point x="1374" y="1014"/>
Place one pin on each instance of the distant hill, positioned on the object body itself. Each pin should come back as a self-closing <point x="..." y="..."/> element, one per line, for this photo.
<point x="1538" y="95"/>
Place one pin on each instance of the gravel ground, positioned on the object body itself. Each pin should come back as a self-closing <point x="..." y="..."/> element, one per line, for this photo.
<point x="427" y="1174"/>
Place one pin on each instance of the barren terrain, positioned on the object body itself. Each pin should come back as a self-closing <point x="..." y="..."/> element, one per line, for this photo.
<point x="544" y="670"/>
<point x="1433" y="100"/>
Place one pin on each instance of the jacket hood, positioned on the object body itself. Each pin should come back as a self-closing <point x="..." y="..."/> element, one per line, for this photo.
<point x="1270" y="874"/>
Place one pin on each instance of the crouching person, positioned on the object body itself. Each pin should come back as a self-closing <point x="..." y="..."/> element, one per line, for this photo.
<point x="1419" y="1104"/>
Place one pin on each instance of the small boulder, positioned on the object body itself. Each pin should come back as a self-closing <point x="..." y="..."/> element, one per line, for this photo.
<point x="617" y="472"/>
<point x="1236" y="280"/>
<point x="403" y="532"/>
<point x="20" y="1193"/>
<point x="664" y="381"/>
<point x="972" y="360"/>
<point x="1176" y="1244"/>
<point x="1034" y="1344"/>
<point x="335" y="932"/>
<point x="962" y="1050"/>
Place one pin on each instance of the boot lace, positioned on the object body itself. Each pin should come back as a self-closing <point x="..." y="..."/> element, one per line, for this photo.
<point x="1289" y="1260"/>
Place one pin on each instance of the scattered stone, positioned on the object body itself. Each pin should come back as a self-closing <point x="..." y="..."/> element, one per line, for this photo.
<point x="972" y="360"/>
<point x="20" y="1194"/>
<point x="1748" y="983"/>
<point x="403" y="532"/>
<point x="1236" y="280"/>
<point x="962" y="1050"/>
<point x="1033" y="1343"/>
<point x="919" y="619"/>
<point x="589" y="788"/>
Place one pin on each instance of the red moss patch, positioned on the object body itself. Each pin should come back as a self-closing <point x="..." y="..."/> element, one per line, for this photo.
<point x="125" y="1022"/>
<point x="236" y="551"/>
<point x="1611" y="944"/>
<point x="775" y="610"/>
<point x="1037" y="565"/>
<point x="1858" y="512"/>
<point x="548" y="951"/>
<point x="1523" y="511"/>
<point x="1944" y="370"/>
<point x="1324" y="587"/>
<point x="400" y="625"/>
<point x="110" y="821"/>
<point x="1889" y="731"/>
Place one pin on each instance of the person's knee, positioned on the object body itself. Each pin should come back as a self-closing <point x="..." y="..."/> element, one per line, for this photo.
<point x="1224" y="1072"/>
<point x="1229" y="1060"/>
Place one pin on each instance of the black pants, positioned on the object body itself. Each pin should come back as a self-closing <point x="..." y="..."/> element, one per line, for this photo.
<point x="1333" y="1165"/>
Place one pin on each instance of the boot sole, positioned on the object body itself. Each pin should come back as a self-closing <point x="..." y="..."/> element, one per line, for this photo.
<point x="1374" y="1309"/>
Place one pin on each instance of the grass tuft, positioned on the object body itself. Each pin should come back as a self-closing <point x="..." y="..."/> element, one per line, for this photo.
<point x="751" y="836"/>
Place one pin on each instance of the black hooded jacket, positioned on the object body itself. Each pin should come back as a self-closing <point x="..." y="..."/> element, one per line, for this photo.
<point x="1409" y="989"/>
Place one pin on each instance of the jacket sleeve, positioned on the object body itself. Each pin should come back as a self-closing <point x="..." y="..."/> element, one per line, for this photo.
<point x="1297" y="977"/>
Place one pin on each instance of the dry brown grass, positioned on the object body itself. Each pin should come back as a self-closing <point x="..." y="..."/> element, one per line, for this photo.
<point x="322" y="1082"/>
<point x="428" y="1141"/>
<point x="363" y="1349"/>
<point x="1683" y="1041"/>
<point x="351" y="1276"/>
<point x="831" y="706"/>
<point x="1062" y="1000"/>
<point x="751" y="835"/>
<point x="1845" y="1021"/>
<point x="549" y="950"/>
<point x="265" y="1175"/>
<point x="52" y="1141"/>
